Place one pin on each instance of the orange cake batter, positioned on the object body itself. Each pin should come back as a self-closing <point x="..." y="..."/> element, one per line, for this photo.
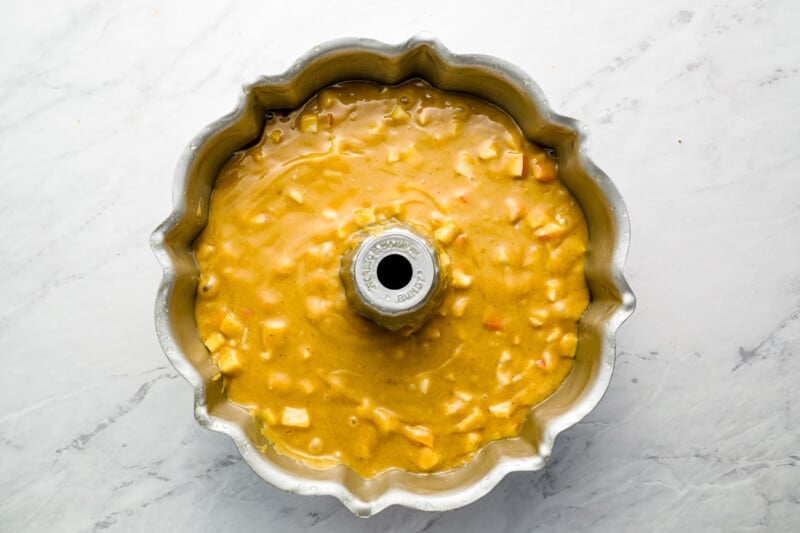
<point x="328" y="386"/>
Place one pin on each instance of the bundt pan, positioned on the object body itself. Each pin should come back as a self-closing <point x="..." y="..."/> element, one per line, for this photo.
<point x="488" y="78"/>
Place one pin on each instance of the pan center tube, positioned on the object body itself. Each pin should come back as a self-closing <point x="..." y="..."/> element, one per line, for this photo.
<point x="393" y="276"/>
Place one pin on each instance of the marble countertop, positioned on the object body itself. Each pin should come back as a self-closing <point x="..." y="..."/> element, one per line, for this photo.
<point x="692" y="114"/>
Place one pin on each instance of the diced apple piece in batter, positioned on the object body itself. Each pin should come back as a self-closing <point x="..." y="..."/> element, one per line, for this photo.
<point x="552" y="289"/>
<point x="305" y="352"/>
<point x="556" y="333"/>
<point x="327" y="99"/>
<point x="269" y="297"/>
<point x="245" y="333"/>
<point x="320" y="253"/>
<point x="385" y="419"/>
<point x="565" y="256"/>
<point x="437" y="218"/>
<point x="461" y="280"/>
<point x="205" y="251"/>
<point x="424" y="384"/>
<point x="537" y="317"/>
<point x="488" y="150"/>
<point x="259" y="219"/>
<point x="464" y="395"/>
<point x="399" y="114"/>
<point x="465" y="165"/>
<point x="471" y="441"/>
<point x="306" y="386"/>
<point x="493" y="319"/>
<point x="228" y="361"/>
<point x="271" y="328"/>
<point x="535" y="256"/>
<point x="456" y="127"/>
<point x="543" y="168"/>
<point x="444" y="260"/>
<point x="337" y="384"/>
<point x="364" y="216"/>
<point x="446" y="233"/>
<point x="502" y="409"/>
<point x="214" y="342"/>
<point x="231" y="326"/>
<point x="276" y="325"/>
<point x="317" y="307"/>
<point x="296" y="195"/>
<point x="268" y="416"/>
<point x="426" y="458"/>
<point x="514" y="164"/>
<point x="459" y="306"/>
<point x="420" y="434"/>
<point x="514" y="209"/>
<point x="503" y="377"/>
<point x="283" y="265"/>
<point x="365" y="440"/>
<point x="346" y="228"/>
<point x="430" y="333"/>
<point x="296" y="417"/>
<point x="454" y="405"/>
<point x="279" y="381"/>
<point x="568" y="344"/>
<point x="315" y="445"/>
<point x="475" y="420"/>
<point x="500" y="255"/>
<point x="309" y="123"/>
<point x="425" y="116"/>
<point x="551" y="230"/>
<point x="536" y="218"/>
<point x="378" y="128"/>
<point x="546" y="361"/>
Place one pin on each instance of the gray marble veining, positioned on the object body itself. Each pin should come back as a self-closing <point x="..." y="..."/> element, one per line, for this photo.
<point x="693" y="111"/>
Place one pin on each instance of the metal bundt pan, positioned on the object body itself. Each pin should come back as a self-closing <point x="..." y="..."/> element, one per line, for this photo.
<point x="486" y="77"/>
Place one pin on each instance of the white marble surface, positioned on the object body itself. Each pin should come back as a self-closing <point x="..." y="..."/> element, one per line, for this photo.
<point x="694" y="111"/>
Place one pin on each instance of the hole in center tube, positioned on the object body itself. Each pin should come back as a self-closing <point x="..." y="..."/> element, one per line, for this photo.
<point x="394" y="271"/>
